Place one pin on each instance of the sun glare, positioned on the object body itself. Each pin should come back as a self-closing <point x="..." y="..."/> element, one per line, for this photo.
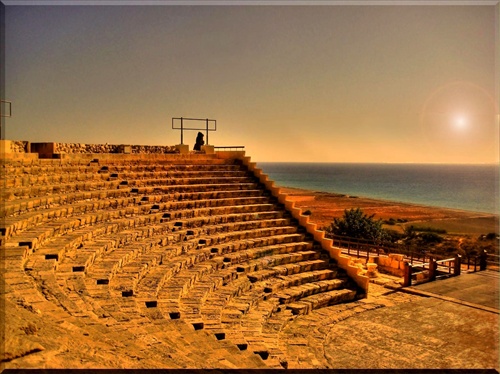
<point x="460" y="123"/>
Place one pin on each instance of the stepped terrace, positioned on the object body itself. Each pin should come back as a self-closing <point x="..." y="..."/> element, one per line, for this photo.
<point x="194" y="257"/>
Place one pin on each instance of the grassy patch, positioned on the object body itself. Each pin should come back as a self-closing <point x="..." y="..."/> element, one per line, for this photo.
<point x="429" y="229"/>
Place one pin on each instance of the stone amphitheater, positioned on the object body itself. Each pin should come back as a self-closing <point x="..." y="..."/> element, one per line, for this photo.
<point x="153" y="257"/>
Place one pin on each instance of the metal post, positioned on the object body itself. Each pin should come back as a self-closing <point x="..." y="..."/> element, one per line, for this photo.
<point x="207" y="132"/>
<point x="182" y="133"/>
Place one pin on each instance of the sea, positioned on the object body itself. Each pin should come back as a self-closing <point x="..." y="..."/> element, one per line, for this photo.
<point x="465" y="187"/>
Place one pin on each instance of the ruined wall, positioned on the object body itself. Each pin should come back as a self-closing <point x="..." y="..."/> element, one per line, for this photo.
<point x="48" y="149"/>
<point x="111" y="148"/>
<point x="392" y="264"/>
<point x="14" y="146"/>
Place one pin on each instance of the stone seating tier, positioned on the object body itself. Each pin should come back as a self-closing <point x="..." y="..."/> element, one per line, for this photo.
<point x="188" y="242"/>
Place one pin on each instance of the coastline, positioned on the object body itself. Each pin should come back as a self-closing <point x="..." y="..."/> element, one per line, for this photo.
<point x="324" y="206"/>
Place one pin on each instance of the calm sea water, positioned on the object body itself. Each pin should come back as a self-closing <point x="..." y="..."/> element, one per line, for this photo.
<point x="467" y="187"/>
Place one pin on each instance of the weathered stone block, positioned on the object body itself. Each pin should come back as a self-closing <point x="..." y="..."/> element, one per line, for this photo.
<point x="182" y="148"/>
<point x="397" y="257"/>
<point x="208" y="149"/>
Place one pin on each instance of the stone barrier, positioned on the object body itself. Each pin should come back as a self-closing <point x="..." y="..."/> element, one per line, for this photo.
<point x="345" y="262"/>
<point x="393" y="264"/>
<point x="49" y="149"/>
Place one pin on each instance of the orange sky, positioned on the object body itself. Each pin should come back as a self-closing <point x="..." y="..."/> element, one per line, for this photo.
<point x="328" y="83"/>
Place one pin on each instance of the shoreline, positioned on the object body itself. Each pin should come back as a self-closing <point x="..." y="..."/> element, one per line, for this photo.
<point x="325" y="206"/>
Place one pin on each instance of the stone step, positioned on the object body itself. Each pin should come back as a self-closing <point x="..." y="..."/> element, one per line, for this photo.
<point x="295" y="293"/>
<point x="187" y="181"/>
<point x="307" y="304"/>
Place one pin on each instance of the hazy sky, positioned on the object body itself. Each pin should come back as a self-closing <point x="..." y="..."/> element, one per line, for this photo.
<point x="330" y="83"/>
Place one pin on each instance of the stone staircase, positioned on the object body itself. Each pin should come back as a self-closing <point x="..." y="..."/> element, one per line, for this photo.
<point x="200" y="249"/>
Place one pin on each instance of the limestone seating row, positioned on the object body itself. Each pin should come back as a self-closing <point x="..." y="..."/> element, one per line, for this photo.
<point x="284" y="266"/>
<point x="64" y="188"/>
<point x="193" y="243"/>
<point x="259" y="326"/>
<point x="196" y="297"/>
<point x="228" y="272"/>
<point x="61" y="177"/>
<point x="128" y="282"/>
<point x="210" y="323"/>
<point x="44" y="203"/>
<point x="30" y="165"/>
<point x="156" y="278"/>
<point x="62" y="174"/>
<point x="58" y="250"/>
<point x="165" y="181"/>
<point x="94" y="190"/>
<point x="49" y="258"/>
<point x="178" y="289"/>
<point x="268" y="349"/>
<point x="284" y="282"/>
<point x="58" y="167"/>
<point x="161" y="272"/>
<point x="183" y="189"/>
<point x="15" y="186"/>
<point x="251" y="326"/>
<point x="211" y="349"/>
<point x="15" y="224"/>
<point x="132" y="175"/>
<point x="41" y="167"/>
<point x="156" y="167"/>
<point x="31" y="212"/>
<point x="305" y="305"/>
<point x="295" y="293"/>
<point x="34" y="234"/>
<point x="13" y="193"/>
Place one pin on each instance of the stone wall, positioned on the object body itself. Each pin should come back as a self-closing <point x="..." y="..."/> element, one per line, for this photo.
<point x="392" y="264"/>
<point x="14" y="146"/>
<point x="49" y="148"/>
<point x="111" y="148"/>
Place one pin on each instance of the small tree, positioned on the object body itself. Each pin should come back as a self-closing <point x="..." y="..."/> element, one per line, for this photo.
<point x="356" y="224"/>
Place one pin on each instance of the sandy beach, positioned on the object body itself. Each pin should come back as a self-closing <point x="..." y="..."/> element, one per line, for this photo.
<point x="325" y="206"/>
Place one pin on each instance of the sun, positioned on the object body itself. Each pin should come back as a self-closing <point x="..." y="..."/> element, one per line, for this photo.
<point x="460" y="122"/>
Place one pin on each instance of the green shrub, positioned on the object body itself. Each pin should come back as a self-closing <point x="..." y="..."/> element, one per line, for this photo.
<point x="430" y="237"/>
<point x="391" y="221"/>
<point x="355" y="224"/>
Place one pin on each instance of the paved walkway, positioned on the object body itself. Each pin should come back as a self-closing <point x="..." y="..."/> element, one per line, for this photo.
<point x="447" y="324"/>
<point x="479" y="288"/>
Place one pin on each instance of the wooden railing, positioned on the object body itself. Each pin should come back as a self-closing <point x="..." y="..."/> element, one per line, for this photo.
<point x="432" y="269"/>
<point x="431" y="265"/>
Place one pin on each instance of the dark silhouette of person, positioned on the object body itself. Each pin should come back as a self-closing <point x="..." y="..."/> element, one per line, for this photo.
<point x="199" y="142"/>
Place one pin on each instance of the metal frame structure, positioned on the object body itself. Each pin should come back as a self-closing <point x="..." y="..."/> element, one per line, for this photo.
<point x="182" y="128"/>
